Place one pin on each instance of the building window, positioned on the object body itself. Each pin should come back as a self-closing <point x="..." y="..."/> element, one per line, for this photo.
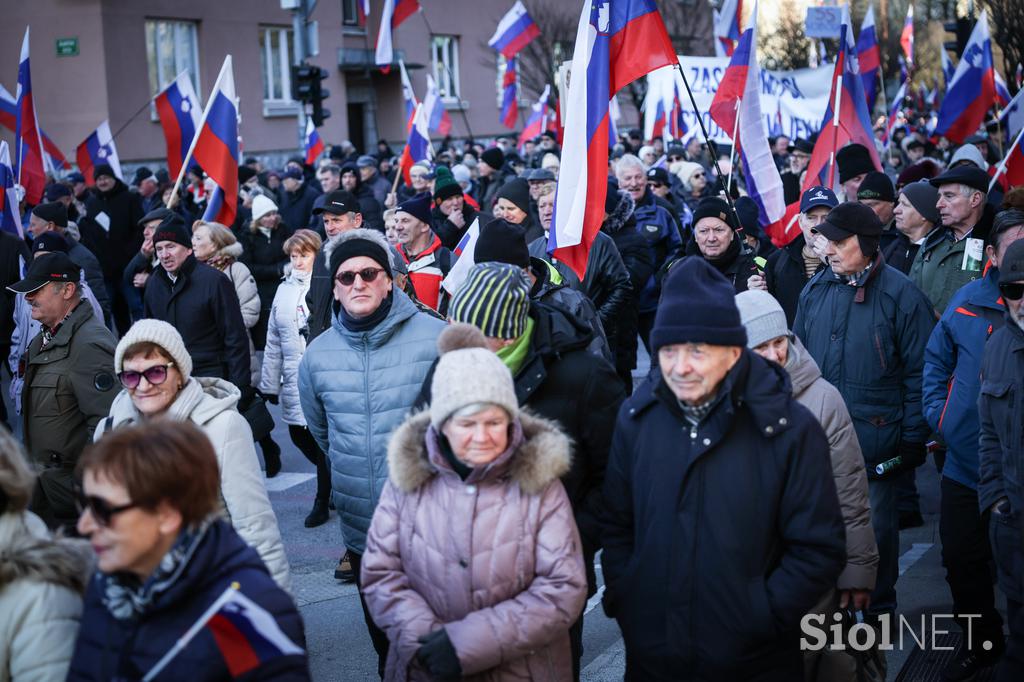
<point x="171" y="47"/>
<point x="276" y="46"/>
<point x="350" y="13"/>
<point x="444" y="52"/>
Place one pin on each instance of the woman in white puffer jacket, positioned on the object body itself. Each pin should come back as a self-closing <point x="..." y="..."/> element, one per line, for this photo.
<point x="286" y="342"/>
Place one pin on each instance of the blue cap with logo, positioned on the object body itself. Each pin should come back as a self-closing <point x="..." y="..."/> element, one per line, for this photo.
<point x="818" y="196"/>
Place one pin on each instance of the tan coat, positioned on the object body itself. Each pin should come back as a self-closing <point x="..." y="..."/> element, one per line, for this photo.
<point x="495" y="560"/>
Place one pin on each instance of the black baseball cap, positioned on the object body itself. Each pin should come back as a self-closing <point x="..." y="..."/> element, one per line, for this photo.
<point x="848" y="219"/>
<point x="52" y="267"/>
<point x="658" y="175"/>
<point x="338" y="202"/>
<point x="818" y="196"/>
<point x="50" y="242"/>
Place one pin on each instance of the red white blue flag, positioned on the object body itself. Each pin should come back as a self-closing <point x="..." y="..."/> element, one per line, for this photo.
<point x="53" y="156"/>
<point x="509" y="95"/>
<point x="96" y="149"/>
<point x="28" y="157"/>
<point x="972" y="92"/>
<point x="907" y="36"/>
<point x="515" y="31"/>
<point x="464" y="251"/>
<point x="1002" y="92"/>
<point x="729" y="25"/>
<point x="179" y="110"/>
<point x="438" y="118"/>
<point x="617" y="42"/>
<point x="363" y="8"/>
<point x="9" y="221"/>
<point x="408" y="95"/>
<point x="537" y="122"/>
<point x="314" y="145"/>
<point x="392" y="16"/>
<point x="418" y="147"/>
<point x="869" y="56"/>
<point x="216" y="147"/>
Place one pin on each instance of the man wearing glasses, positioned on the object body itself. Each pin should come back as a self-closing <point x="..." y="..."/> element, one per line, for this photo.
<point x="69" y="381"/>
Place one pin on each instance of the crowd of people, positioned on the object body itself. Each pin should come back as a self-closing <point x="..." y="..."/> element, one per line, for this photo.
<point x="483" y="441"/>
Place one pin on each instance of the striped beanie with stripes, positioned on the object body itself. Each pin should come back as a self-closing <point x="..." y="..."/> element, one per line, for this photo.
<point x="495" y="298"/>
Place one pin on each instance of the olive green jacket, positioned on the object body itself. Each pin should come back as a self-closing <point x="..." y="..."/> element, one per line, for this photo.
<point x="937" y="270"/>
<point x="69" y="387"/>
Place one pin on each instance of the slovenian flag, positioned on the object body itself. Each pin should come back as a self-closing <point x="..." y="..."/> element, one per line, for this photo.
<point x="537" y="122"/>
<point x="437" y="116"/>
<point x="9" y="119"/>
<point x="617" y="42"/>
<point x="515" y="31"/>
<point x="314" y="145"/>
<point x="418" y="147"/>
<point x="28" y="157"/>
<point x="96" y="149"/>
<point x="509" y="95"/>
<point x="9" y="221"/>
<point x="393" y="14"/>
<point x="178" y="108"/>
<point x="869" y="56"/>
<point x="215" y="148"/>
<point x="973" y="89"/>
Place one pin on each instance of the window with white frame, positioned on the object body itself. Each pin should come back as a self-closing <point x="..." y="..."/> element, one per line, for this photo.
<point x="444" y="54"/>
<point x="171" y="47"/>
<point x="275" y="59"/>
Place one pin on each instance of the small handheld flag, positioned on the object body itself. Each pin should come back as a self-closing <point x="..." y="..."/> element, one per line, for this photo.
<point x="515" y="31"/>
<point x="28" y="157"/>
<point x="418" y="147"/>
<point x="973" y="89"/>
<point x="907" y="36"/>
<point x="314" y="145"/>
<point x="437" y="116"/>
<point x="8" y="195"/>
<point x="96" y="149"/>
<point x="215" y="147"/>
<point x="392" y="15"/>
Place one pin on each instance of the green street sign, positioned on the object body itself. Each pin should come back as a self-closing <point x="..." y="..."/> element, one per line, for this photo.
<point x="67" y="47"/>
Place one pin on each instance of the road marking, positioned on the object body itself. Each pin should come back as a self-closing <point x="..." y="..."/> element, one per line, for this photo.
<point x="912" y="555"/>
<point x="594" y="601"/>
<point x="285" y="481"/>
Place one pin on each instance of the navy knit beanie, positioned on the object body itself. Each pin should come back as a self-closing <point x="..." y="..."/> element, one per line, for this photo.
<point x="517" y="191"/>
<point x="698" y="305"/>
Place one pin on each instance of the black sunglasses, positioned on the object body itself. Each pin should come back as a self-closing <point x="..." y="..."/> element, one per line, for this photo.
<point x="155" y="375"/>
<point x="100" y="509"/>
<point x="348" y="278"/>
<point x="1012" y="291"/>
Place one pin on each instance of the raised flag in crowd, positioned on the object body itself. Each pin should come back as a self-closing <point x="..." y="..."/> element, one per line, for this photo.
<point x="28" y="156"/>
<point x="515" y="31"/>
<point x="1012" y="117"/>
<point x="179" y="109"/>
<point x="948" y="70"/>
<point x="537" y="122"/>
<point x="869" y="56"/>
<point x="509" y="95"/>
<point x="363" y="8"/>
<point x="1002" y="92"/>
<point x="463" y="251"/>
<point x="438" y="118"/>
<point x="729" y="25"/>
<point x="314" y="145"/>
<point x="617" y="41"/>
<point x="215" y="148"/>
<point x="614" y="116"/>
<point x="418" y="147"/>
<point x="408" y="95"/>
<point x="98" y="149"/>
<point x="9" y="218"/>
<point x="52" y="155"/>
<point x="393" y="14"/>
<point x="907" y="35"/>
<point x="972" y="92"/>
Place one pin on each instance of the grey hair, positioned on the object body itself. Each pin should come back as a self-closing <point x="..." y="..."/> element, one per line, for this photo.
<point x="475" y="408"/>
<point x="967" y="191"/>
<point x="627" y="160"/>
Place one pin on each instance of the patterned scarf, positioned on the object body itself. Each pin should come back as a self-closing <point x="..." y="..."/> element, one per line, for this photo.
<point x="48" y="333"/>
<point x="858" y="279"/>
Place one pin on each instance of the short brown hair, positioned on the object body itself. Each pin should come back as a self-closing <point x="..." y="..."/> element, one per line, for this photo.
<point x="149" y="461"/>
<point x="303" y="240"/>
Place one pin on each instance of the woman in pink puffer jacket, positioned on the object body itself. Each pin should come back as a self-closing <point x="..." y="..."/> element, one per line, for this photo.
<point x="473" y="564"/>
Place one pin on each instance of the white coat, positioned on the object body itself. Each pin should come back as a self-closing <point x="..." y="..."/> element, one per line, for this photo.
<point x="286" y="344"/>
<point x="248" y="297"/>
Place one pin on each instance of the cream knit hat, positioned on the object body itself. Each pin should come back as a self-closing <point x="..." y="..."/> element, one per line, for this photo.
<point x="261" y="206"/>
<point x="163" y="335"/>
<point x="468" y="373"/>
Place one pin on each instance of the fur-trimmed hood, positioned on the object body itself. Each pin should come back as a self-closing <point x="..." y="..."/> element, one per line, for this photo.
<point x="618" y="218"/>
<point x="231" y="251"/>
<point x="543" y="455"/>
<point x="26" y="553"/>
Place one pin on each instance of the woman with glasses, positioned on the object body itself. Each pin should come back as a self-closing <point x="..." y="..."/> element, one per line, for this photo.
<point x="177" y="594"/>
<point x="41" y="580"/>
<point x="694" y="182"/>
<point x="156" y="372"/>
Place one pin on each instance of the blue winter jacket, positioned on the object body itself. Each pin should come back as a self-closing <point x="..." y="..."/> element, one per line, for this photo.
<point x="658" y="227"/>
<point x="111" y="649"/>
<point x="355" y="388"/>
<point x="869" y="343"/>
<point x="952" y="370"/>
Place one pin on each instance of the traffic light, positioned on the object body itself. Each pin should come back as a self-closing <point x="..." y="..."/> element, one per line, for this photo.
<point x="961" y="30"/>
<point x="320" y="93"/>
<point x="307" y="88"/>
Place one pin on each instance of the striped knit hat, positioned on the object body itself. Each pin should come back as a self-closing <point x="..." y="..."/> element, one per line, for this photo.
<point x="495" y="298"/>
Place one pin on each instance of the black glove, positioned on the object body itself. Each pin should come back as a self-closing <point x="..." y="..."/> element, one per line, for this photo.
<point x="248" y="393"/>
<point x="913" y="454"/>
<point x="438" y="656"/>
<point x="271" y="398"/>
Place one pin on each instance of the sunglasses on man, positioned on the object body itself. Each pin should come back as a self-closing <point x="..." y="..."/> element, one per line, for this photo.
<point x="348" y="277"/>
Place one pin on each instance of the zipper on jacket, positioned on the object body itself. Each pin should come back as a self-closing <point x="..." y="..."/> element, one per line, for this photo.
<point x="369" y="419"/>
<point x="881" y="355"/>
<point x="945" y="406"/>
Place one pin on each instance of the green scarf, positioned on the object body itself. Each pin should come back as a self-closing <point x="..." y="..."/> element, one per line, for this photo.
<point x="514" y="355"/>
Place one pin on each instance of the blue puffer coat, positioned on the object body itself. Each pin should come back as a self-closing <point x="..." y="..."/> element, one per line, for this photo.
<point x="113" y="649"/>
<point x="659" y="229"/>
<point x="869" y="343"/>
<point x="952" y="370"/>
<point x="355" y="388"/>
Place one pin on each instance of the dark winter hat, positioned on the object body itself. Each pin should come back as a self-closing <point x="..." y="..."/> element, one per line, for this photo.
<point x="848" y="219"/>
<point x="418" y="207"/>
<point x="540" y="175"/>
<point x="495" y="298"/>
<point x="877" y="185"/>
<point x="292" y="172"/>
<point x="50" y="242"/>
<point x="156" y="214"/>
<point x="493" y="157"/>
<point x="102" y="169"/>
<point x="750" y="217"/>
<point x="817" y="196"/>
<point x="925" y="169"/>
<point x="923" y="197"/>
<point x="675" y="149"/>
<point x="658" y="175"/>
<point x="502" y="242"/>
<point x="172" y="229"/>
<point x="613" y="197"/>
<point x="57" y="190"/>
<point x="698" y="305"/>
<point x="801" y="145"/>
<point x="361" y="242"/>
<point x="713" y="207"/>
<point x="338" y="202"/>
<point x="975" y="178"/>
<point x="52" y="212"/>
<point x="853" y="160"/>
<point x="245" y="174"/>
<point x="366" y="161"/>
<point x="517" y="191"/>
<point x="141" y="173"/>
<point x="52" y="267"/>
<point x="445" y="186"/>
<point x="75" y="176"/>
<point x="1011" y="267"/>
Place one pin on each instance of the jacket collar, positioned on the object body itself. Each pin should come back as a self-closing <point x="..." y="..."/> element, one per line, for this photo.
<point x="876" y="268"/>
<point x="186" y="269"/>
<point x="81" y="313"/>
<point x="402" y="308"/>
<point x="985" y="292"/>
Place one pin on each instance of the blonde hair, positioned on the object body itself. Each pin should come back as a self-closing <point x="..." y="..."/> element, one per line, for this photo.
<point x="220" y="235"/>
<point x="16" y="476"/>
<point x="303" y="240"/>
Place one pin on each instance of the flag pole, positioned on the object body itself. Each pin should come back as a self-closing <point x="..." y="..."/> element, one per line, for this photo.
<point x="199" y="129"/>
<point x="1002" y="164"/>
<point x="732" y="150"/>
<point x="835" y="130"/>
<point x="191" y="632"/>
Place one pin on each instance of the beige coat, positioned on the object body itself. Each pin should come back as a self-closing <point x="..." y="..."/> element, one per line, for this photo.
<point x="495" y="560"/>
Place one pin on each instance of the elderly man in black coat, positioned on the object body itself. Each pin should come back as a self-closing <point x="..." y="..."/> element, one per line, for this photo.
<point x="721" y="523"/>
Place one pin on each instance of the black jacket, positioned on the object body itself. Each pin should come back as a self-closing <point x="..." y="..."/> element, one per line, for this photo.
<point x="900" y="253"/>
<point x="139" y="263"/>
<point x="1001" y="409"/>
<point x="119" y="243"/>
<point x="265" y="258"/>
<point x="319" y="297"/>
<point x="718" y="538"/>
<point x="296" y="208"/>
<point x="448" y="233"/>
<point x="737" y="263"/>
<point x="550" y="290"/>
<point x="785" y="276"/>
<point x="606" y="281"/>
<point x="13" y="252"/>
<point x="638" y="260"/>
<point x="203" y="306"/>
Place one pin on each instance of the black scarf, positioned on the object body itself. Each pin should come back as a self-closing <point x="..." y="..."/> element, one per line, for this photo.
<point x="364" y="324"/>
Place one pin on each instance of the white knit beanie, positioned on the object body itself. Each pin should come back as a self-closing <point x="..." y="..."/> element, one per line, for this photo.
<point x="261" y="206"/>
<point x="468" y="373"/>
<point x="161" y="334"/>
<point x="762" y="315"/>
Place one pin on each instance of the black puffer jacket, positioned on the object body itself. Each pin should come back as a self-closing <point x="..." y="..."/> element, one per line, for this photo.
<point x="124" y="209"/>
<point x="203" y="306"/>
<point x="551" y="290"/>
<point x="296" y="208"/>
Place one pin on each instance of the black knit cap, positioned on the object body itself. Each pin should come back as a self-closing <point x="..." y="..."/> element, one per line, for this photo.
<point x="493" y="157"/>
<point x="103" y="169"/>
<point x="698" y="305"/>
<point x="517" y="191"/>
<point x="172" y="229"/>
<point x="713" y="207"/>
<point x="502" y="242"/>
<point x="877" y="185"/>
<point x="52" y="212"/>
<point x="853" y="159"/>
<point x="353" y="248"/>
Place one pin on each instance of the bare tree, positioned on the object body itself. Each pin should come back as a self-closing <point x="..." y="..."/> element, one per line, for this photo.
<point x="1007" y="25"/>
